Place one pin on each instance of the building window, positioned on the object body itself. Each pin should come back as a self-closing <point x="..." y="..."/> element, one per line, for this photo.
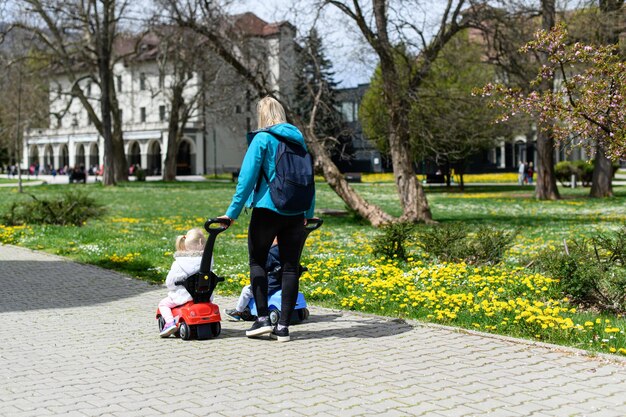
<point x="162" y="113"/>
<point x="248" y="100"/>
<point x="88" y="119"/>
<point x="142" y="81"/>
<point x="88" y="88"/>
<point x="161" y="80"/>
<point x="142" y="112"/>
<point x="248" y="124"/>
<point x="119" y="83"/>
<point x="59" y="122"/>
<point x="121" y="116"/>
<point x="238" y="109"/>
<point x="74" y="120"/>
<point x="347" y="109"/>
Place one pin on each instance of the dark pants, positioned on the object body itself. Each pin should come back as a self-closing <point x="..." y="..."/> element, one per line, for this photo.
<point x="265" y="225"/>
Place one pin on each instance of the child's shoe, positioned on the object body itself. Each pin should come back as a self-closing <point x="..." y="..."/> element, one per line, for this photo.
<point x="169" y="329"/>
<point x="234" y="314"/>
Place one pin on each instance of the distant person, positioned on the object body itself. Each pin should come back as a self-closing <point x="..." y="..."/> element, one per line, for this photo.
<point x="530" y="171"/>
<point x="521" y="173"/>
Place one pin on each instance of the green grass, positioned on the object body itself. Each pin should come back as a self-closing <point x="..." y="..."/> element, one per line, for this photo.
<point x="13" y="181"/>
<point x="137" y="235"/>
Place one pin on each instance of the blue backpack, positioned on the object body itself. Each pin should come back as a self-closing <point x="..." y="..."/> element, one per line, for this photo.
<point x="293" y="186"/>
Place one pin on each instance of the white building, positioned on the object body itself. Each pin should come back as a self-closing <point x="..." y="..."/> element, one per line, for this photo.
<point x="214" y="138"/>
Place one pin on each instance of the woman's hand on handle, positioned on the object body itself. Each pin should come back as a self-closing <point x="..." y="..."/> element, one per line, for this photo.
<point x="228" y="218"/>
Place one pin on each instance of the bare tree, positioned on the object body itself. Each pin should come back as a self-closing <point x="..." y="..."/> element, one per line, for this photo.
<point x="21" y="77"/>
<point x="179" y="81"/>
<point x="79" y="36"/>
<point x="229" y="44"/>
<point x="385" y="25"/>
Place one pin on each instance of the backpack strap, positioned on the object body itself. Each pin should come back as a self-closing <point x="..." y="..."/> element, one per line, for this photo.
<point x="264" y="175"/>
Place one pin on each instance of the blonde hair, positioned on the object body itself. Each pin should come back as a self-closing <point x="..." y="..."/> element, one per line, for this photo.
<point x="269" y="112"/>
<point x="193" y="240"/>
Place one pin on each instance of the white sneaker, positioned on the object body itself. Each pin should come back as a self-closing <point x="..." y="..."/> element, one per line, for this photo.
<point x="169" y="329"/>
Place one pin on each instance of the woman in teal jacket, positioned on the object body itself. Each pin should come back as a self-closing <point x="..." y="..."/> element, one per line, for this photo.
<point x="267" y="221"/>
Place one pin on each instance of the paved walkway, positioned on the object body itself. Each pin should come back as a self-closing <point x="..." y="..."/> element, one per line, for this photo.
<point x="82" y="341"/>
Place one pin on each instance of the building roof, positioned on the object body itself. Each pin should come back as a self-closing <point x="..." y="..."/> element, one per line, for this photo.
<point x="250" y="24"/>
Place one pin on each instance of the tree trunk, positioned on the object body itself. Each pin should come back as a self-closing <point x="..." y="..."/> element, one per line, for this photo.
<point x="602" y="175"/>
<point x="461" y="168"/>
<point x="104" y="58"/>
<point x="370" y="212"/>
<point x="173" y="134"/>
<point x="121" y="165"/>
<point x="414" y="203"/>
<point x="603" y="170"/>
<point x="169" y="168"/>
<point x="546" y="188"/>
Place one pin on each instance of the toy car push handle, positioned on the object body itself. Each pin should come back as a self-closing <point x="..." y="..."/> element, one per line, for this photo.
<point x="207" y="255"/>
<point x="209" y="225"/>
<point x="313" y="224"/>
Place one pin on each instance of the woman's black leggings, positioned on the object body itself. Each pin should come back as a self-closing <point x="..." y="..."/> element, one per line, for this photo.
<point x="265" y="225"/>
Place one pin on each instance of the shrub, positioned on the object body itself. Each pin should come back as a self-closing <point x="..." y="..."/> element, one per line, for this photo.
<point x="393" y="240"/>
<point x="582" y="169"/>
<point x="454" y="242"/>
<point x="584" y="172"/>
<point x="445" y="241"/>
<point x="490" y="244"/>
<point x="140" y="174"/>
<point x="73" y="207"/>
<point x="563" y="171"/>
<point x="591" y="270"/>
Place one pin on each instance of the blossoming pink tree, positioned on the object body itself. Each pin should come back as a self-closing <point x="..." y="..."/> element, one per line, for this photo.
<point x="587" y="106"/>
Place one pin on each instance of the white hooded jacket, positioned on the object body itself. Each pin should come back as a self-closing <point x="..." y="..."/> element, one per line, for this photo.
<point x="185" y="264"/>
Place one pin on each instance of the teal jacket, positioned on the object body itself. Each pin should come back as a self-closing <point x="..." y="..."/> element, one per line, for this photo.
<point x="260" y="154"/>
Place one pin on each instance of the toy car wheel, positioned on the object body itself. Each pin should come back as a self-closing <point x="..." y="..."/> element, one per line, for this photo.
<point x="216" y="329"/>
<point x="185" y="331"/>
<point x="274" y="317"/>
<point x="161" y="323"/>
<point x="305" y="313"/>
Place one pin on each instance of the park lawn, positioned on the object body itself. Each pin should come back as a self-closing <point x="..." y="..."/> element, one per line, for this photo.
<point x="13" y="181"/>
<point x="137" y="235"/>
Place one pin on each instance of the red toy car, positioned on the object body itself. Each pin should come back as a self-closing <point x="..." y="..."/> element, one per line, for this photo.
<point x="200" y="318"/>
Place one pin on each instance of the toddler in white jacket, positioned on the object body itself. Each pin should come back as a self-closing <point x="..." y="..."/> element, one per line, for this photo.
<point x="188" y="255"/>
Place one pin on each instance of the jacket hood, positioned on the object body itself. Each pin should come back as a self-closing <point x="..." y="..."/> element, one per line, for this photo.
<point x="286" y="131"/>
<point x="188" y="254"/>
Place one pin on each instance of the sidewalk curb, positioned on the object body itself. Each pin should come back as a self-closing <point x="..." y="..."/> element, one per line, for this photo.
<point x="603" y="357"/>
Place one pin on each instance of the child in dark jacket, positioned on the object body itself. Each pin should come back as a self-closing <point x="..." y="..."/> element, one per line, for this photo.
<point x="272" y="267"/>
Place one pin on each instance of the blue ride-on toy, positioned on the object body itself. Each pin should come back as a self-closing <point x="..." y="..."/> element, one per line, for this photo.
<point x="274" y="301"/>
